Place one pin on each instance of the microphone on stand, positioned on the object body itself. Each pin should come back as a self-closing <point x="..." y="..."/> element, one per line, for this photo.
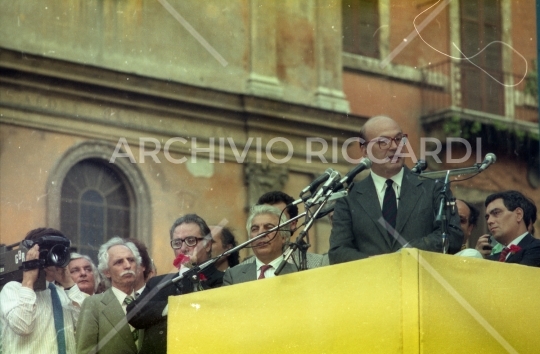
<point x="322" y="191"/>
<point x="420" y="166"/>
<point x="341" y="188"/>
<point x="475" y="169"/>
<point x="312" y="187"/>
<point x="347" y="180"/>
<point x="488" y="160"/>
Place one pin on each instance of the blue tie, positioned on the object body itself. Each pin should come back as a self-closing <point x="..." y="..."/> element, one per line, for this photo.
<point x="58" y="319"/>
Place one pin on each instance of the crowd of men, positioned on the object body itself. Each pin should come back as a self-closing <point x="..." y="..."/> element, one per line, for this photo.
<point x="121" y="306"/>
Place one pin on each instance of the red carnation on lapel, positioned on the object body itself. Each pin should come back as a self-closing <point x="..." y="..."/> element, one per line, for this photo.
<point x="202" y="277"/>
<point x="514" y="249"/>
<point x="181" y="259"/>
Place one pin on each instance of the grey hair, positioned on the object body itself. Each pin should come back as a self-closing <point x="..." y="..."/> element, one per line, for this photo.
<point x="103" y="255"/>
<point x="192" y="219"/>
<point x="97" y="276"/>
<point x="284" y="232"/>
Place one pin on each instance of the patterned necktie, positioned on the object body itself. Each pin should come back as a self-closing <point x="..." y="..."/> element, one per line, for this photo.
<point x="264" y="268"/>
<point x="504" y="253"/>
<point x="389" y="209"/>
<point x="134" y="332"/>
<point x="58" y="315"/>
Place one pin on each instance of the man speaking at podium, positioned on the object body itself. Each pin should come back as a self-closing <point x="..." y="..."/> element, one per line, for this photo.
<point x="392" y="207"/>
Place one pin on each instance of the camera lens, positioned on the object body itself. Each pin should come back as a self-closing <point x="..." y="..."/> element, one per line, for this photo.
<point x="58" y="256"/>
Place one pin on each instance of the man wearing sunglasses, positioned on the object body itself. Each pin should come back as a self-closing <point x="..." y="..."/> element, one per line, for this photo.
<point x="190" y="236"/>
<point x="392" y="207"/>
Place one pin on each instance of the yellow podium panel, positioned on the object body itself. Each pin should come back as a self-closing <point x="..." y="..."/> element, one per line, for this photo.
<point x="407" y="302"/>
<point x="470" y="305"/>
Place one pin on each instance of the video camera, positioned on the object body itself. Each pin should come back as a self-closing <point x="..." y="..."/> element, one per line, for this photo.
<point x="53" y="251"/>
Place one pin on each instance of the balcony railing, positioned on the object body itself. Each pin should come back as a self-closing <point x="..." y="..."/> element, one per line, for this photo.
<point x="460" y="88"/>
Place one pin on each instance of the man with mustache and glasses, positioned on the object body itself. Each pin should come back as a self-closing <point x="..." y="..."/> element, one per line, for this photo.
<point x="102" y="326"/>
<point x="392" y="207"/>
<point x="268" y="250"/>
<point x="190" y="236"/>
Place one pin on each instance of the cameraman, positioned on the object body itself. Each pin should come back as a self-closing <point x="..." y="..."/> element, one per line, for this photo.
<point x="30" y="318"/>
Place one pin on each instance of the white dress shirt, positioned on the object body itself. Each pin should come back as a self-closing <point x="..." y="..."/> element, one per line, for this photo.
<point x="269" y="273"/>
<point x="121" y="296"/>
<point x="380" y="185"/>
<point x="28" y="321"/>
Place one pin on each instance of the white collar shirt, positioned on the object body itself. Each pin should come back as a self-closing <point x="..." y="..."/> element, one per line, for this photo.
<point x="121" y="296"/>
<point x="380" y="185"/>
<point x="269" y="273"/>
<point x="27" y="318"/>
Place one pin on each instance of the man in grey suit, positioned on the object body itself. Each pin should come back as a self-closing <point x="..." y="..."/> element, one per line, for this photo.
<point x="283" y="201"/>
<point x="102" y="326"/>
<point x="409" y="204"/>
<point x="268" y="250"/>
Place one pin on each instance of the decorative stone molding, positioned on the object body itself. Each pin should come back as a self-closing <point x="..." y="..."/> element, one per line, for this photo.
<point x="261" y="179"/>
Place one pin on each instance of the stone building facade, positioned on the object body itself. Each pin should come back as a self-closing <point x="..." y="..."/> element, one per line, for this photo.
<point x="116" y="117"/>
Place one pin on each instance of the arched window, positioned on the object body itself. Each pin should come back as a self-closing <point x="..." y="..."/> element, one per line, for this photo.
<point x="95" y="205"/>
<point x="91" y="199"/>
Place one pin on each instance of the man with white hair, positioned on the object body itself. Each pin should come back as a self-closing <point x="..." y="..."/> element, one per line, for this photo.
<point x="84" y="273"/>
<point x="268" y="250"/>
<point x="102" y="325"/>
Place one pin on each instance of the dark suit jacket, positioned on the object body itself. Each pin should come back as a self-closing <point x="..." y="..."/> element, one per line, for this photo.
<point x="102" y="327"/>
<point x="248" y="272"/>
<point x="529" y="254"/>
<point x="357" y="232"/>
<point x="146" y="312"/>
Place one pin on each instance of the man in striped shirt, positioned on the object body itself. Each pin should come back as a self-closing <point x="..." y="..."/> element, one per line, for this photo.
<point x="28" y="320"/>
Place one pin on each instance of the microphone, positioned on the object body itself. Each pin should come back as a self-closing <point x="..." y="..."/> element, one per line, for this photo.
<point x="329" y="184"/>
<point x="488" y="160"/>
<point x="420" y="166"/>
<point x="347" y="180"/>
<point x="316" y="183"/>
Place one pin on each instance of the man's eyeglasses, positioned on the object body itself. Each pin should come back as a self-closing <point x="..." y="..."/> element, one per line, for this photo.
<point x="190" y="242"/>
<point x="385" y="143"/>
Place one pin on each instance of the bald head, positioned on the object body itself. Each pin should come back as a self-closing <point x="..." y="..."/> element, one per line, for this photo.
<point x="378" y="144"/>
<point x="370" y="128"/>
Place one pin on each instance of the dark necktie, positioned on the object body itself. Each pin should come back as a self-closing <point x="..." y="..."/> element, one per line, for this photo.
<point x="264" y="268"/>
<point x="134" y="332"/>
<point x="389" y="209"/>
<point x="504" y="253"/>
<point x="58" y="315"/>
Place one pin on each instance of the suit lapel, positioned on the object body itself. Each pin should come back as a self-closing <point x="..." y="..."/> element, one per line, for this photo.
<point x="410" y="193"/>
<point x="113" y="312"/>
<point x="369" y="201"/>
<point x="516" y="257"/>
<point x="249" y="272"/>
